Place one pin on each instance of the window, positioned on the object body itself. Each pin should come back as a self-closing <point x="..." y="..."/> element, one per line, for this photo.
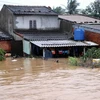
<point x="32" y="24"/>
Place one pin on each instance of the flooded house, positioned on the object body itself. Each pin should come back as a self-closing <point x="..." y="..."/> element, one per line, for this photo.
<point x="38" y="31"/>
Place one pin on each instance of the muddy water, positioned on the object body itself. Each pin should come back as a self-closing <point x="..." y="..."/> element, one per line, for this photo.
<point x="37" y="79"/>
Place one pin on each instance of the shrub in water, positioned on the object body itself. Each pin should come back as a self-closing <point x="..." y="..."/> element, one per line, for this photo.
<point x="2" y="54"/>
<point x="73" y="61"/>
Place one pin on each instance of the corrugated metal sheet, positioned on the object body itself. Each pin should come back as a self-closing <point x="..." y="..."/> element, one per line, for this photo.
<point x="91" y="28"/>
<point x="63" y="43"/>
<point x="91" y="43"/>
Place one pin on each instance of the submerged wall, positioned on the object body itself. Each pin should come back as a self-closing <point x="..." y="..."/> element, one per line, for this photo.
<point x="6" y="45"/>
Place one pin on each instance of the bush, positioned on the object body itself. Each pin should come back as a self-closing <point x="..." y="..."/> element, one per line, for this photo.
<point x="92" y="53"/>
<point x="73" y="61"/>
<point x="2" y="54"/>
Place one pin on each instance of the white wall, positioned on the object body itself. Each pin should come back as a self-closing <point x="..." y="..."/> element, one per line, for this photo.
<point x="26" y="47"/>
<point x="43" y="22"/>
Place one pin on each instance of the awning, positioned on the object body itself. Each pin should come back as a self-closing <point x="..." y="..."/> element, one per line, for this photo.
<point x="62" y="43"/>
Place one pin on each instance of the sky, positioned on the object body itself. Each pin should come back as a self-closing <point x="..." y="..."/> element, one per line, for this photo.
<point x="51" y="3"/>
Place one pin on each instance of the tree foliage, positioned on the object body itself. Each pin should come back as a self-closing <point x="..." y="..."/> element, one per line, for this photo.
<point x="92" y="53"/>
<point x="87" y="59"/>
<point x="59" y="10"/>
<point x="93" y="9"/>
<point x="72" y="6"/>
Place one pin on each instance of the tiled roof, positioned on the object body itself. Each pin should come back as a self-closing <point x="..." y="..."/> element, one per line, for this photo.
<point x="63" y="43"/>
<point x="79" y="18"/>
<point x="5" y="36"/>
<point x="31" y="10"/>
<point x="43" y="36"/>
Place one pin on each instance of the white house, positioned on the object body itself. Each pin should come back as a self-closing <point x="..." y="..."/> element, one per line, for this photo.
<point x="27" y="17"/>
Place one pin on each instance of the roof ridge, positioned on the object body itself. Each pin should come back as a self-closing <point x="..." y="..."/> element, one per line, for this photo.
<point x="24" y="5"/>
<point x="25" y="9"/>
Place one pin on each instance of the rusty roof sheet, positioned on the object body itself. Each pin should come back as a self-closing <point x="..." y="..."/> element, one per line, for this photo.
<point x="79" y="18"/>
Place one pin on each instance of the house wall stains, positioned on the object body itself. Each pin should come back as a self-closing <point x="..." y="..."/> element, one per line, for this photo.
<point x="67" y="28"/>
<point x="92" y="36"/>
<point x="42" y="22"/>
<point x="6" y="45"/>
<point x="6" y="20"/>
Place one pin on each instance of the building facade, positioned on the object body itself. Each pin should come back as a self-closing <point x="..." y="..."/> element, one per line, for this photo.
<point x="27" y="17"/>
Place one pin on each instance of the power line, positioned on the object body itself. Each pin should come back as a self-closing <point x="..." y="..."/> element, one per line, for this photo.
<point x="4" y="2"/>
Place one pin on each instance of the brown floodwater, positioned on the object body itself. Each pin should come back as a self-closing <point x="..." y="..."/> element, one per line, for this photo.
<point x="38" y="79"/>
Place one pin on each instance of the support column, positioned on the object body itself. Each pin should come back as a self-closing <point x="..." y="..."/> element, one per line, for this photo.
<point x="84" y="50"/>
<point x="44" y="53"/>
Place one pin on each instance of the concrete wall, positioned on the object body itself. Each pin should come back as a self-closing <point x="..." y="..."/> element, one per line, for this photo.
<point x="6" y="20"/>
<point x="17" y="37"/>
<point x="66" y="26"/>
<point x="42" y="22"/>
<point x="6" y="45"/>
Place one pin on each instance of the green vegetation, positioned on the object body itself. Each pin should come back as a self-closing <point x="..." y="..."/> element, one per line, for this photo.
<point x="73" y="61"/>
<point x="89" y="59"/>
<point x="92" y="53"/>
<point x="93" y="9"/>
<point x="59" y="10"/>
<point x="2" y="54"/>
<point x="72" y="7"/>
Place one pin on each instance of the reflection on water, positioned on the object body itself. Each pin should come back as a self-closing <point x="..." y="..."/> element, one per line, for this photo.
<point x="38" y="79"/>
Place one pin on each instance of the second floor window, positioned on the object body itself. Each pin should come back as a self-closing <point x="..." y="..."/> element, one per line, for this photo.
<point x="32" y="24"/>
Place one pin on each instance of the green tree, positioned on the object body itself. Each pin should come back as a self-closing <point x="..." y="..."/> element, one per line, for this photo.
<point x="93" y="9"/>
<point x="59" y="10"/>
<point x="72" y="6"/>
